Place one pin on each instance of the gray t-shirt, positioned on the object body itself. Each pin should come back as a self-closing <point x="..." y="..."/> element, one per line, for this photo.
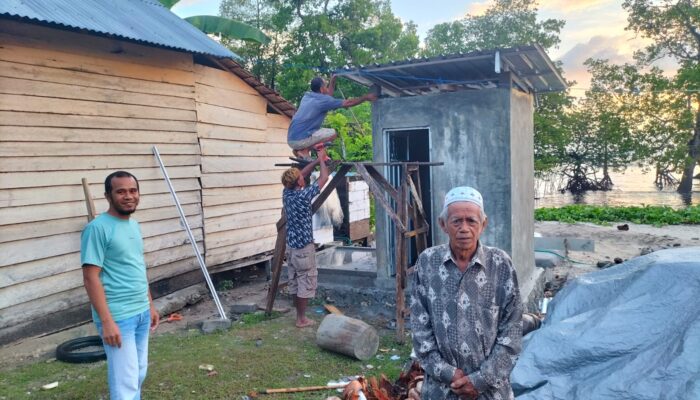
<point x="310" y="114"/>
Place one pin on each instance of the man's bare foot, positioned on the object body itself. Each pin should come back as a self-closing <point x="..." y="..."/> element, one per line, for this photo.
<point x="306" y="322"/>
<point x="305" y="154"/>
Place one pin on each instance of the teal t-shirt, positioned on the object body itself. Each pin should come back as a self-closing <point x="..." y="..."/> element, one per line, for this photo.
<point x="116" y="245"/>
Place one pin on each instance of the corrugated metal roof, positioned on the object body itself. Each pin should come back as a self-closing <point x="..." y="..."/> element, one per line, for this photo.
<point x="145" y="21"/>
<point x="531" y="69"/>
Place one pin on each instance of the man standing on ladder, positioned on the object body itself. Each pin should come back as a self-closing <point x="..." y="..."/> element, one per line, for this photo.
<point x="301" y="253"/>
<point x="305" y="132"/>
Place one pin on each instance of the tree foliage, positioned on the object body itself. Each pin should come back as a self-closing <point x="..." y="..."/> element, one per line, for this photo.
<point x="511" y="23"/>
<point x="226" y="27"/>
<point x="312" y="37"/>
<point x="506" y="23"/>
<point x="319" y="36"/>
<point x="673" y="26"/>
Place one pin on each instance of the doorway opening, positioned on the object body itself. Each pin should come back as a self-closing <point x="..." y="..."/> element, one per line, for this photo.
<point x="409" y="145"/>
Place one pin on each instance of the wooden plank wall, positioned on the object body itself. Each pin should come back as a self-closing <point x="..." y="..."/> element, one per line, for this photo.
<point x="73" y="106"/>
<point x="240" y="143"/>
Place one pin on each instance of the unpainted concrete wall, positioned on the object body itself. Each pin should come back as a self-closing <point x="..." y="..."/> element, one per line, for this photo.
<point x="485" y="140"/>
<point x="523" y="189"/>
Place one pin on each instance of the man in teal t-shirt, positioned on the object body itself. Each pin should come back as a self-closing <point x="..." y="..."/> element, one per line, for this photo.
<point x="114" y="273"/>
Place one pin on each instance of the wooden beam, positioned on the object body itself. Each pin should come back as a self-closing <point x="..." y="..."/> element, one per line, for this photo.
<point x="416" y="196"/>
<point x="383" y="182"/>
<point x="416" y="232"/>
<point x="401" y="257"/>
<point x="395" y="163"/>
<point x="277" y="257"/>
<point x="379" y="196"/>
<point x="419" y="218"/>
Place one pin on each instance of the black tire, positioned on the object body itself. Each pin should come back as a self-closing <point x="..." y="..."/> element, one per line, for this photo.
<point x="67" y="351"/>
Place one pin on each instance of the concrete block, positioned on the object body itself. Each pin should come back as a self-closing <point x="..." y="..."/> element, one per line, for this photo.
<point x="240" y="308"/>
<point x="358" y="185"/>
<point x="211" y="326"/>
<point x="176" y="301"/>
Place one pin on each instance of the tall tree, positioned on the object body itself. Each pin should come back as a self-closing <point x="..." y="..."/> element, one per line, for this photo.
<point x="659" y="121"/>
<point x="673" y="26"/>
<point x="604" y="114"/>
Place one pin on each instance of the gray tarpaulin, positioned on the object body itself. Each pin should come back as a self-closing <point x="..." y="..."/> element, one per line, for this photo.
<point x="628" y="332"/>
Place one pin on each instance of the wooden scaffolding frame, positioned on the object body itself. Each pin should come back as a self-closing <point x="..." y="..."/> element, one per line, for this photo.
<point x="408" y="206"/>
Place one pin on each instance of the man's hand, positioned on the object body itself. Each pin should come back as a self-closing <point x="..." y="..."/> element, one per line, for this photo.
<point x="370" y="97"/>
<point x="321" y="154"/>
<point x="413" y="394"/>
<point x="155" y="318"/>
<point x="111" y="334"/>
<point x="463" y="387"/>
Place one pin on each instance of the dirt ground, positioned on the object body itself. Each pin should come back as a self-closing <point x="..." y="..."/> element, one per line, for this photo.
<point x="611" y="245"/>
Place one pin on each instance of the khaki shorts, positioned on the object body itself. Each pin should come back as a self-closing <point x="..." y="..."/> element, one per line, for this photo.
<point x="302" y="272"/>
<point x="320" y="136"/>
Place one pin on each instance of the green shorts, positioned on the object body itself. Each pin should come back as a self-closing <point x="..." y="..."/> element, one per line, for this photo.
<point x="302" y="272"/>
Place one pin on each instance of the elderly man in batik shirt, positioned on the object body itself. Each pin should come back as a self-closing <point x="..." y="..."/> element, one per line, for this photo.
<point x="465" y="308"/>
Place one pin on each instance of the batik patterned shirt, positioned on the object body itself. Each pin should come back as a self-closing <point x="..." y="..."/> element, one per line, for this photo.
<point x="297" y="206"/>
<point x="469" y="320"/>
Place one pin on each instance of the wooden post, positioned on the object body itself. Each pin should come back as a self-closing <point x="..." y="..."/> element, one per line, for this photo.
<point x="419" y="219"/>
<point x="277" y="258"/>
<point x="88" y="201"/>
<point x="401" y="256"/>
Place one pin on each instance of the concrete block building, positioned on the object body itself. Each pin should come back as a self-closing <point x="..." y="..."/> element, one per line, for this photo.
<point x="474" y="113"/>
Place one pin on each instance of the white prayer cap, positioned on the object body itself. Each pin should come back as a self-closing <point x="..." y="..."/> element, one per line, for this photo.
<point x="464" y="193"/>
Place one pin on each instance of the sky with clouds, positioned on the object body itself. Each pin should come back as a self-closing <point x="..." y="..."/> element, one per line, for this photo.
<point x="594" y="28"/>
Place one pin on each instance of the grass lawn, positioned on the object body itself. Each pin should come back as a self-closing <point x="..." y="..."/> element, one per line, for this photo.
<point x="255" y="354"/>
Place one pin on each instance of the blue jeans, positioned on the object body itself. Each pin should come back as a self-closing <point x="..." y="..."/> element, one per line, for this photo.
<point x="126" y="366"/>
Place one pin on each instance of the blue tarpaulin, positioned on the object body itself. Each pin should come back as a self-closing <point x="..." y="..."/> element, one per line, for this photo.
<point x="628" y="332"/>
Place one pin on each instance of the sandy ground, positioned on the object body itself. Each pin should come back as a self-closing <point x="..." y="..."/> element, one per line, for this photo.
<point x="610" y="242"/>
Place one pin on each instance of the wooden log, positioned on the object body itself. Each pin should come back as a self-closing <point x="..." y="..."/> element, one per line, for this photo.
<point x="348" y="336"/>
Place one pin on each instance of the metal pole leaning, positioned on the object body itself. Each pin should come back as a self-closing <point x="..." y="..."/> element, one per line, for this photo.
<point x="186" y="225"/>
